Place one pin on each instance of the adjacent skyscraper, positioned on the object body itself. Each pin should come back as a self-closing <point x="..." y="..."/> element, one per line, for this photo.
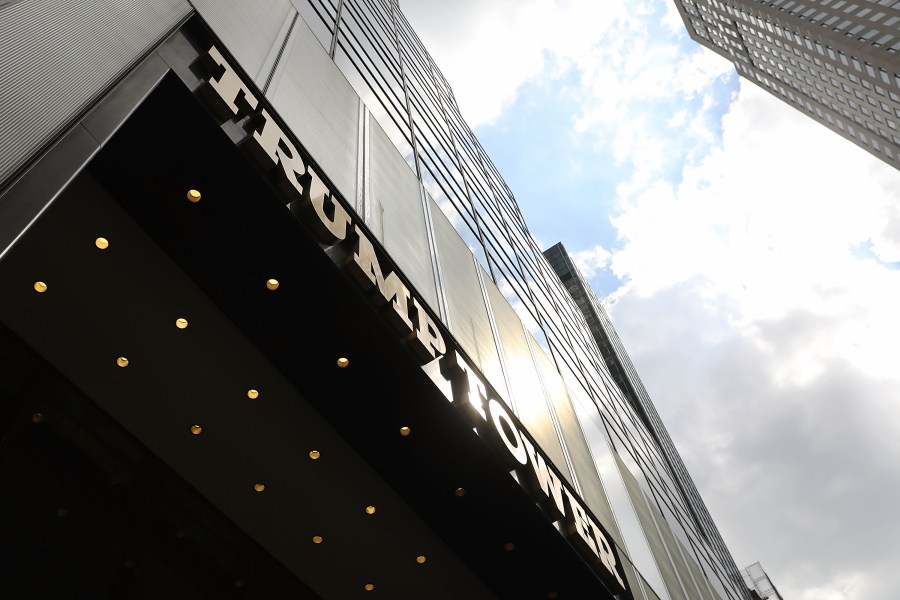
<point x="834" y="60"/>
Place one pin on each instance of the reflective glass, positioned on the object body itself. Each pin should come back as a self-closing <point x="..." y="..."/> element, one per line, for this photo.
<point x="318" y="19"/>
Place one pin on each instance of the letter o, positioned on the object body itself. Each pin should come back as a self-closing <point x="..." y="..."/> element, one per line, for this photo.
<point x="499" y="416"/>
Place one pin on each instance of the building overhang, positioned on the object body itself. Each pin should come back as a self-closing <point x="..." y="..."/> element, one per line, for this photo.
<point x="440" y="492"/>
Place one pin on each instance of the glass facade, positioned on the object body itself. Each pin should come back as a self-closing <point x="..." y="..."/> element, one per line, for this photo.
<point x="834" y="60"/>
<point x="404" y="91"/>
<point x="354" y="84"/>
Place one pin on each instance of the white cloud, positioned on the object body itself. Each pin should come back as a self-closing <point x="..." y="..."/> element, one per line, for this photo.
<point x="678" y="119"/>
<point x="672" y="20"/>
<point x="696" y="71"/>
<point x="886" y="243"/>
<point x="629" y="75"/>
<point x="506" y="43"/>
<point x="770" y="347"/>
<point x="591" y="260"/>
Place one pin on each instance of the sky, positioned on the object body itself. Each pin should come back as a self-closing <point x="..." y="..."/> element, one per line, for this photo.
<point x="748" y="256"/>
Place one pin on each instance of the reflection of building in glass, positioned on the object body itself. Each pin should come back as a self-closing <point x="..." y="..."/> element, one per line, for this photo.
<point x="758" y="581"/>
<point x="339" y="207"/>
<point x="834" y="61"/>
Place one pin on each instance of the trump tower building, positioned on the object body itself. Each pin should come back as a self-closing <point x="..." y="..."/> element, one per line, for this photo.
<point x="272" y="325"/>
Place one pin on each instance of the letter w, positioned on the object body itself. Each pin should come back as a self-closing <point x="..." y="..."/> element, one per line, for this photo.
<point x="544" y="480"/>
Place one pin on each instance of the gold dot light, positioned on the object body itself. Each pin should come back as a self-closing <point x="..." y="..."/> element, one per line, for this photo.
<point x="40" y="287"/>
<point x="193" y="196"/>
<point x="102" y="243"/>
<point x="122" y="361"/>
<point x="272" y="284"/>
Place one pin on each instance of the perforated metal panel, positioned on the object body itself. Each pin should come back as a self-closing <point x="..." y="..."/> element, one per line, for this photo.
<point x="632" y="577"/>
<point x="675" y="553"/>
<point x="249" y="29"/>
<point x="580" y="454"/>
<point x="651" y="595"/>
<point x="609" y="467"/>
<point x="469" y="321"/>
<point x="699" y="578"/>
<point x="642" y="509"/>
<point x="318" y="19"/>
<point x="395" y="214"/>
<point x="57" y="57"/>
<point x="553" y="389"/>
<point x="525" y="383"/>
<point x="319" y="106"/>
